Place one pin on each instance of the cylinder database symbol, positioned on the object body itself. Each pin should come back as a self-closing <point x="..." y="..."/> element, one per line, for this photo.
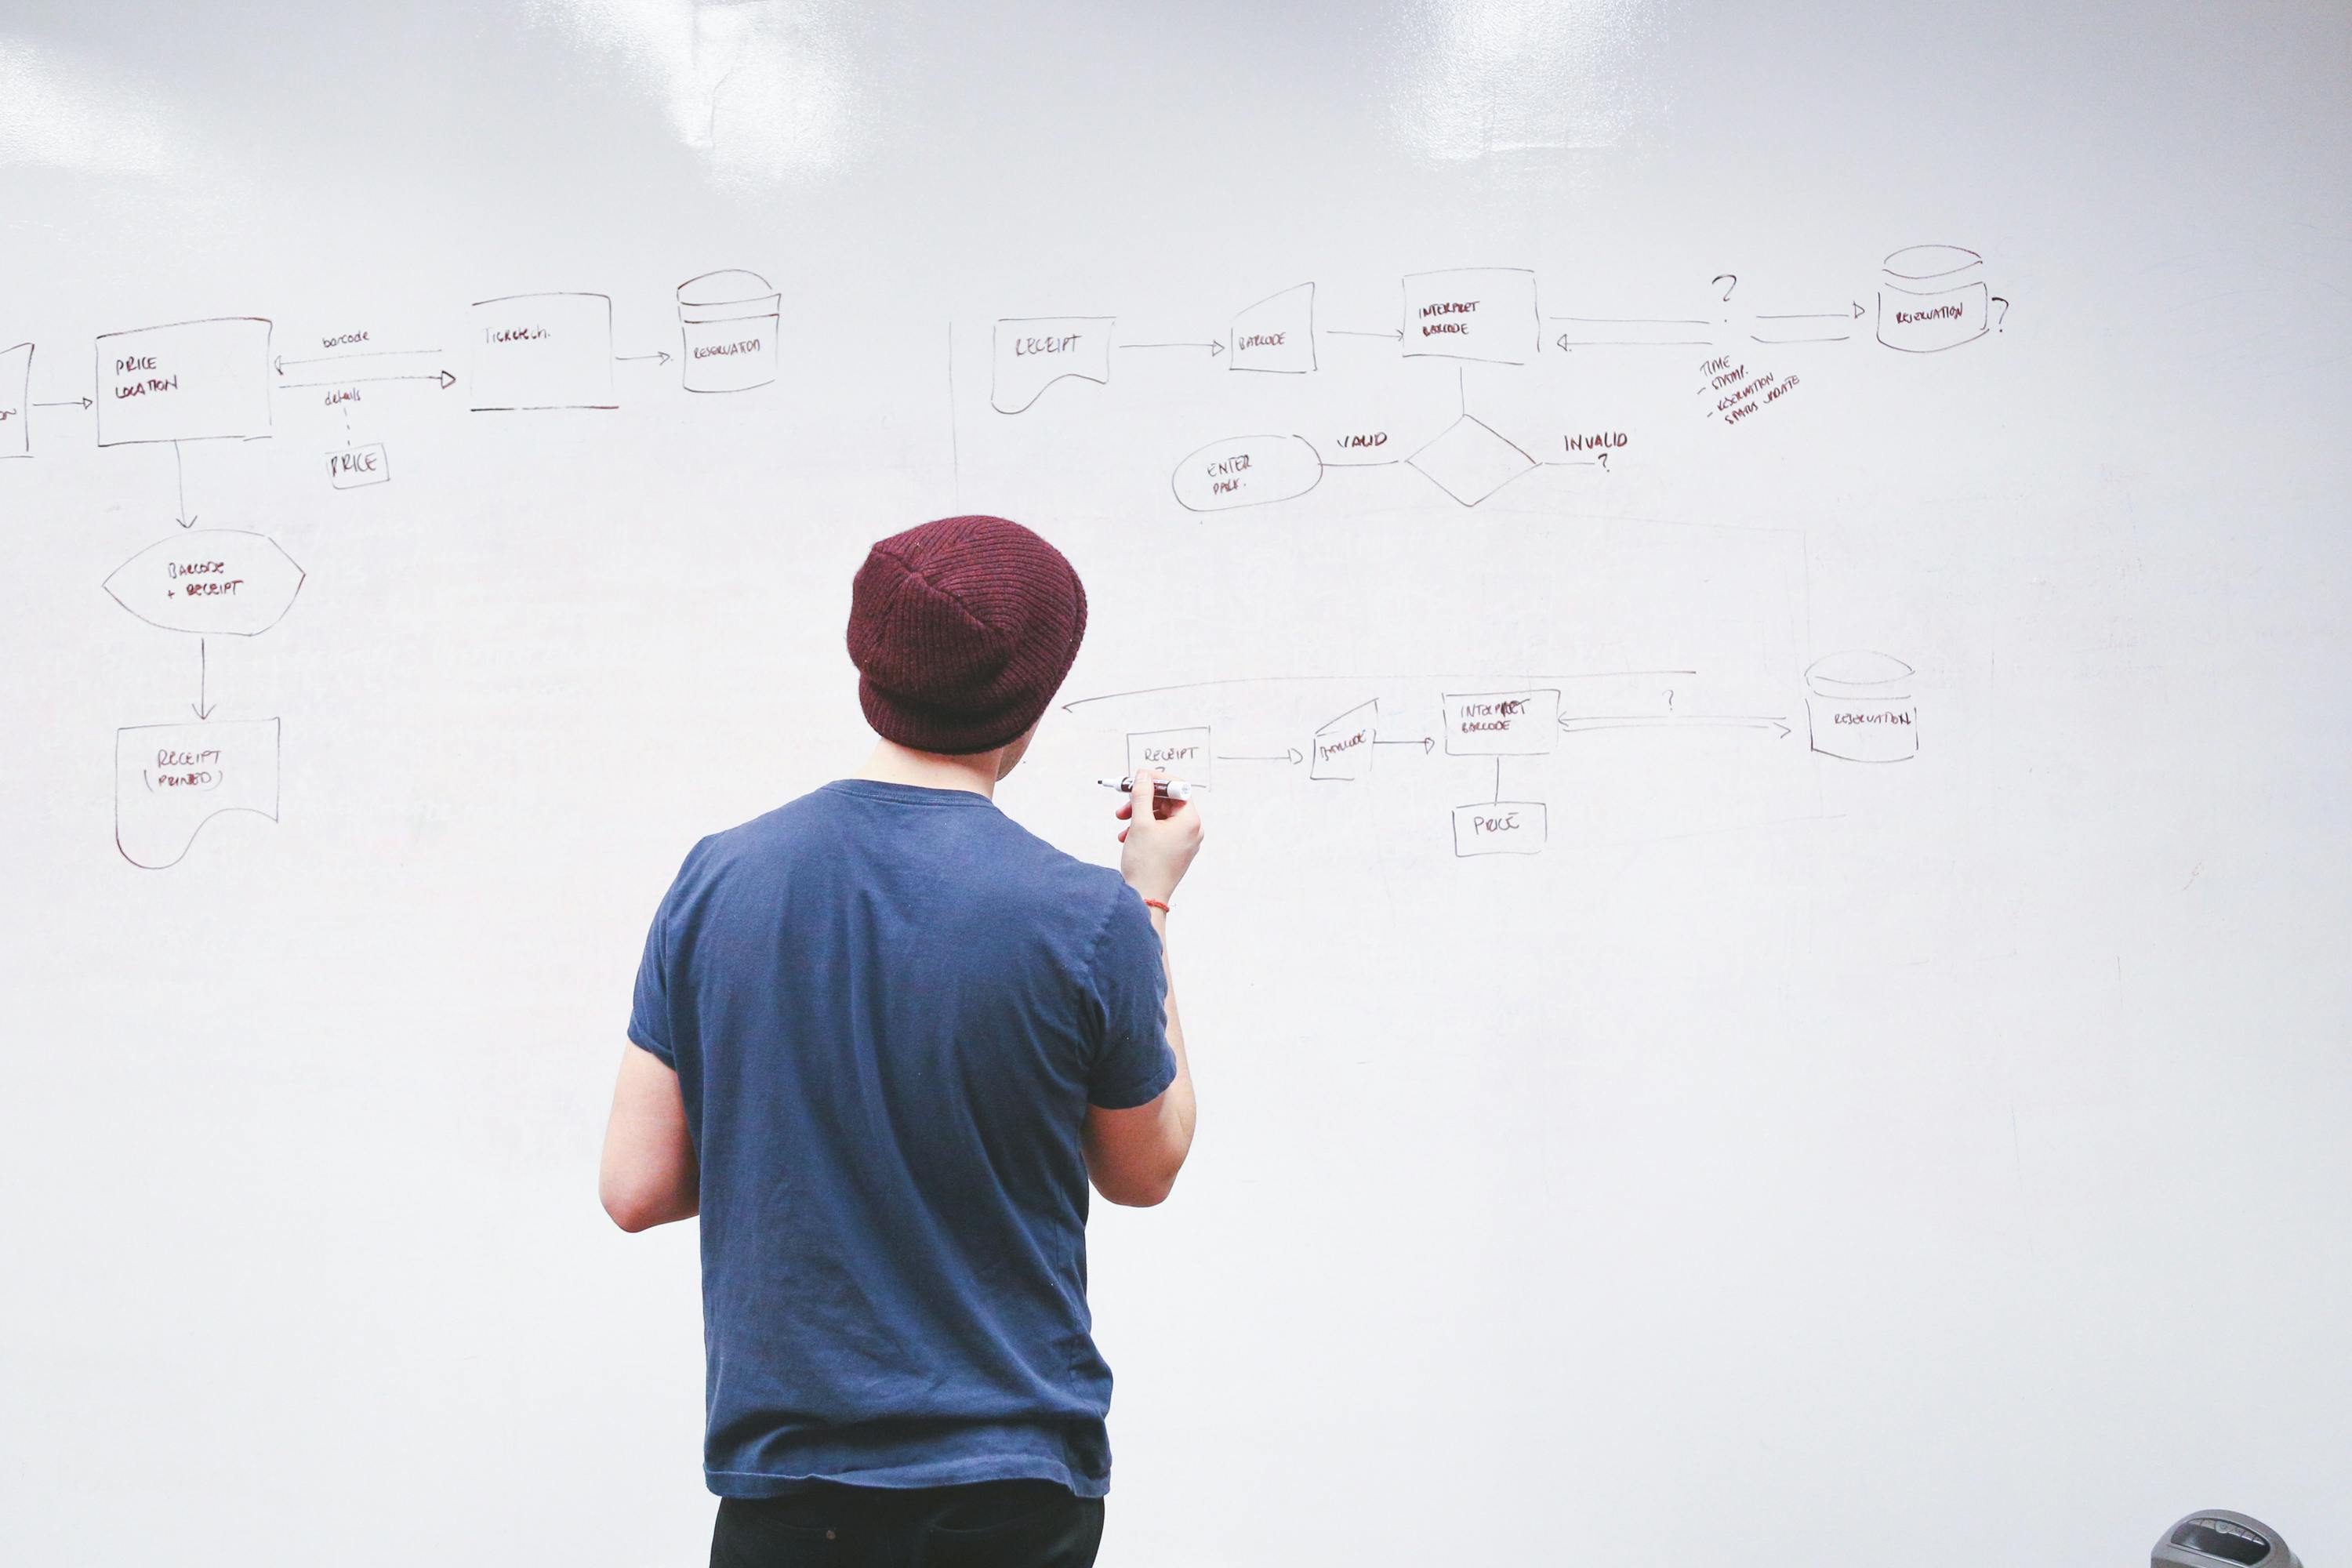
<point x="1932" y="297"/>
<point x="1860" y="706"/>
<point x="729" y="319"/>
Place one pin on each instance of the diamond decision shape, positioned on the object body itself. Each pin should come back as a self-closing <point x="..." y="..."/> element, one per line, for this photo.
<point x="1470" y="462"/>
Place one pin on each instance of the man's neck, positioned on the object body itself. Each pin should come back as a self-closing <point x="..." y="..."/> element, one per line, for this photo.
<point x="894" y="763"/>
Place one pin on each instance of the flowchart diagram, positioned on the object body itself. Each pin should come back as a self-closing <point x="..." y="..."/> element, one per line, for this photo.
<point x="231" y="381"/>
<point x="1499" y="736"/>
<point x="1494" y="736"/>
<point x="1929" y="299"/>
<point x="223" y="380"/>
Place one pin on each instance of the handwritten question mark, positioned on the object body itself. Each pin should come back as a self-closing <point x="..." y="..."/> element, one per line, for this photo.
<point x="1604" y="460"/>
<point x="1729" y="280"/>
<point x="1997" y="320"/>
<point x="1670" y="698"/>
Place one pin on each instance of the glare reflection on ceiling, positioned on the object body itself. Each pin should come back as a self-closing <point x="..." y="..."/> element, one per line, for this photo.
<point x="762" y="87"/>
<point x="1478" y="77"/>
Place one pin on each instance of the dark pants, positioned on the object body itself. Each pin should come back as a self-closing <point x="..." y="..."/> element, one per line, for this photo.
<point x="992" y="1524"/>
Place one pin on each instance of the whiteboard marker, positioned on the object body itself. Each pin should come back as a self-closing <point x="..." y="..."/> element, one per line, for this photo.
<point x="1164" y="789"/>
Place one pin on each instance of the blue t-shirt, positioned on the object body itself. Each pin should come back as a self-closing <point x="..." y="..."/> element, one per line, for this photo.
<point x="888" y="1008"/>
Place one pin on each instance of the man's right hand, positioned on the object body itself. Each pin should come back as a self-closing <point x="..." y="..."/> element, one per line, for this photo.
<point x="1160" y="843"/>
<point x="1133" y="1155"/>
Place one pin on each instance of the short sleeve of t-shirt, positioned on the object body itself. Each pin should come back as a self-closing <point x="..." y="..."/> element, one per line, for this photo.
<point x="649" y="1014"/>
<point x="1133" y="1063"/>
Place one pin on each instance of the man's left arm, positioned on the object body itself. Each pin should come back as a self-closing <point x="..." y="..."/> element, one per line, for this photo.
<point x="648" y="1176"/>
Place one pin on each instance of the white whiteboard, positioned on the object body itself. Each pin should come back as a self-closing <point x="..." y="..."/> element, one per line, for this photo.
<point x="1665" y="1098"/>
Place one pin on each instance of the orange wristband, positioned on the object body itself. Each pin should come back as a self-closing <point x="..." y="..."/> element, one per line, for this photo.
<point x="1156" y="904"/>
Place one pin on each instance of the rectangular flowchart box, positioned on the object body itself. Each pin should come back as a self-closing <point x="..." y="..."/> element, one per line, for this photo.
<point x="1179" y="753"/>
<point x="1473" y="313"/>
<point x="191" y="381"/>
<point x="356" y="466"/>
<point x="1501" y="723"/>
<point x="1499" y="828"/>
<point x="542" y="350"/>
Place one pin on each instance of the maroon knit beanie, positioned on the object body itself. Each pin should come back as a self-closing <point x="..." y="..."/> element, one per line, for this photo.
<point x="961" y="631"/>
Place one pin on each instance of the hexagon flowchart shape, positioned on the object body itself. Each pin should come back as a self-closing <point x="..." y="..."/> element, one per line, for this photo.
<point x="216" y="582"/>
